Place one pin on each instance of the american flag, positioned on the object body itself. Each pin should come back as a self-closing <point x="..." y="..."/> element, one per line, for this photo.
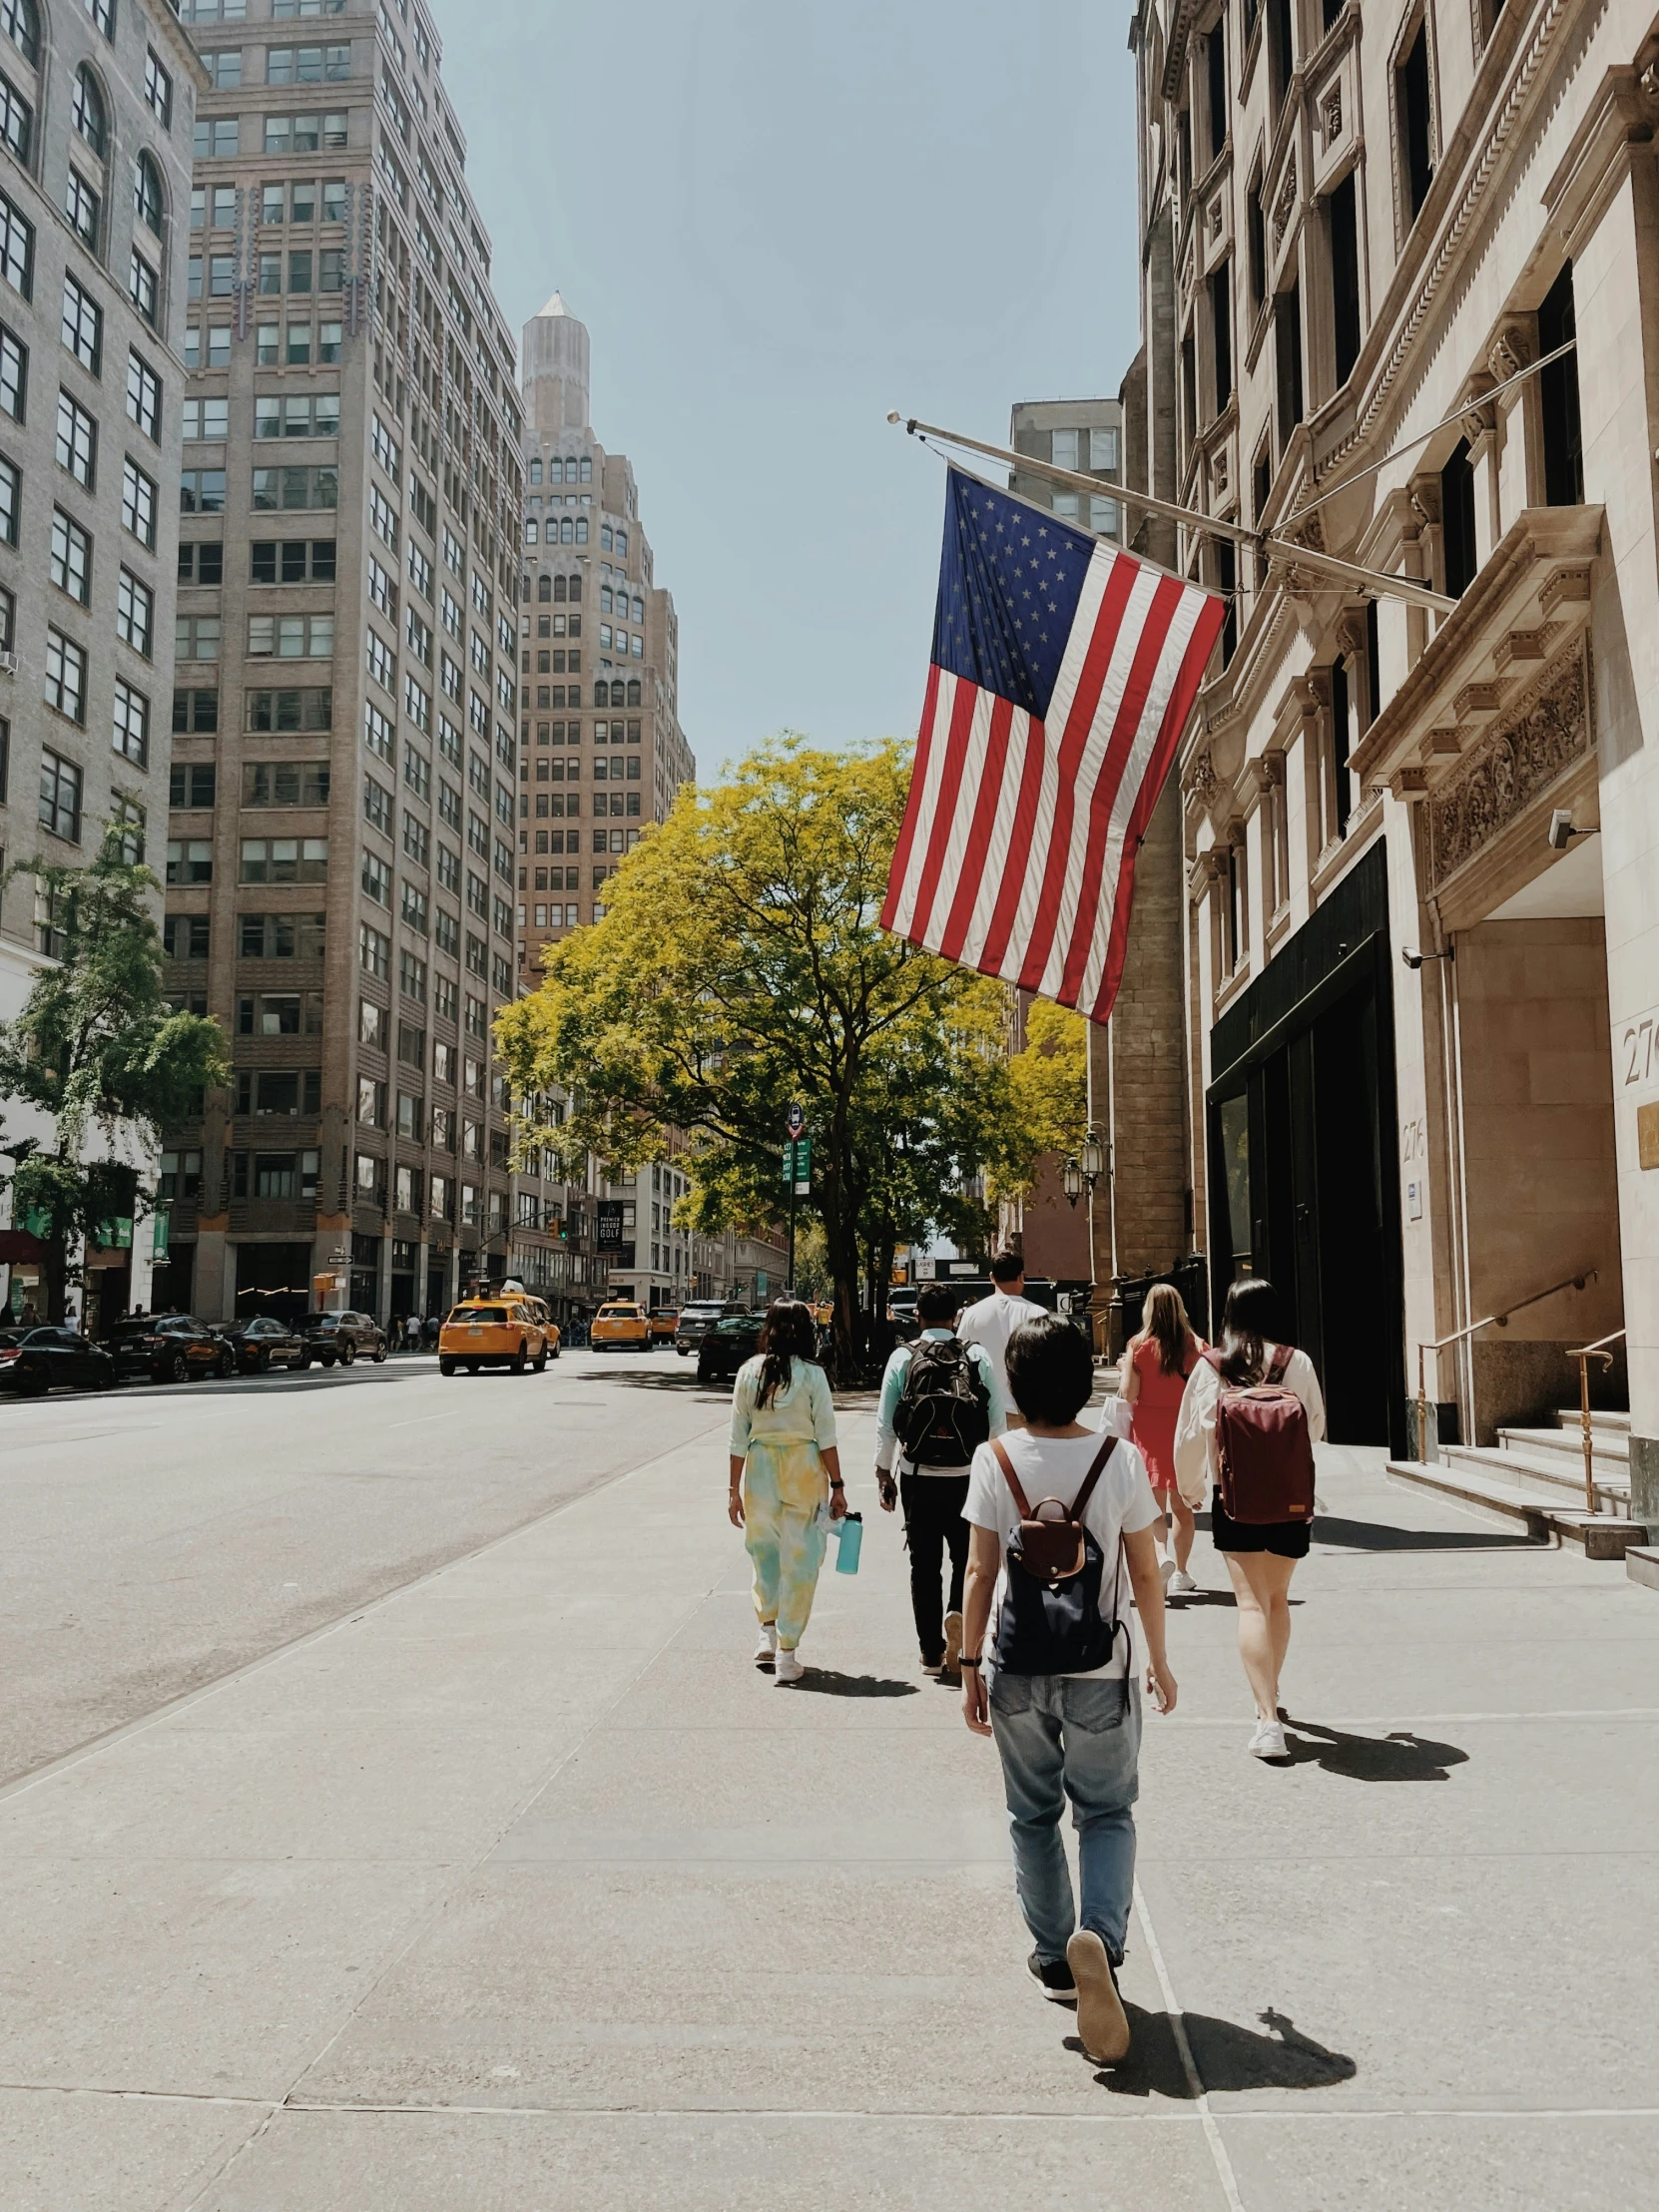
<point x="1063" y="674"/>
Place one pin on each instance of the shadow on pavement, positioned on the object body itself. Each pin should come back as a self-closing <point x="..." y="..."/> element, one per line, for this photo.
<point x="1400" y="1757"/>
<point x="829" y="1683"/>
<point x="1364" y="1535"/>
<point x="1227" y="2057"/>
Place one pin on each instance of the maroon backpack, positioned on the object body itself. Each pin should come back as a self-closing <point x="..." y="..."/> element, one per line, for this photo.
<point x="1264" y="1453"/>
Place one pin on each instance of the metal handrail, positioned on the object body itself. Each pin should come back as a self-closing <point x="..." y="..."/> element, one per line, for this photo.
<point x="1491" y="1321"/>
<point x="1584" y="1354"/>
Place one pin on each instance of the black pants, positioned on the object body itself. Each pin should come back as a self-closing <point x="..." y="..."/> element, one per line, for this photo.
<point x="933" y="1519"/>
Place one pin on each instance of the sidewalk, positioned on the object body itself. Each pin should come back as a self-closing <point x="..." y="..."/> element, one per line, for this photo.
<point x="523" y="1889"/>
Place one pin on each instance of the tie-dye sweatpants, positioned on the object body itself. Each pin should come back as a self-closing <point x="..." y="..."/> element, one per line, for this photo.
<point x="783" y="1484"/>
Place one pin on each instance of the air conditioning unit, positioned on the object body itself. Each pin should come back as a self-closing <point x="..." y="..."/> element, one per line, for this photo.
<point x="8" y="664"/>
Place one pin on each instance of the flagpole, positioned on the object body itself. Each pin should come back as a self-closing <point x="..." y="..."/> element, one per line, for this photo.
<point x="1374" y="581"/>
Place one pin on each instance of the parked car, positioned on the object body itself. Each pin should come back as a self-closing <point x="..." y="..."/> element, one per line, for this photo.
<point x="343" y="1337"/>
<point x="663" y="1322"/>
<point x="261" y="1342"/>
<point x="35" y="1361"/>
<point x="699" y="1317"/>
<point x="732" y="1340"/>
<point x="168" y="1348"/>
<point x="494" y="1333"/>
<point x="621" y="1327"/>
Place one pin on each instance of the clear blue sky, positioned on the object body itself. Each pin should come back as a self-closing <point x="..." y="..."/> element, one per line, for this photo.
<point x="778" y="221"/>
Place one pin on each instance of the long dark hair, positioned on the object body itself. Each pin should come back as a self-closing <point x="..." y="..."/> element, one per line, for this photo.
<point x="790" y="1334"/>
<point x="1249" y="1317"/>
<point x="1165" y="1325"/>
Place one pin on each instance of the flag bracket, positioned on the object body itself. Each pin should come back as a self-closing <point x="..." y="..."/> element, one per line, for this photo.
<point x="1267" y="544"/>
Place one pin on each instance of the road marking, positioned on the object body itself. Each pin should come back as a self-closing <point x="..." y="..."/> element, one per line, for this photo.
<point x="422" y="1420"/>
<point x="1195" y="2082"/>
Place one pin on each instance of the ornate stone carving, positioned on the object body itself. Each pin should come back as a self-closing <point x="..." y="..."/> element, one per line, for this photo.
<point x="1218" y="467"/>
<point x="1201" y="777"/>
<point x="1508" y="767"/>
<point x="1509" y="352"/>
<point x="1285" y="206"/>
<point x="1332" y="115"/>
<point x="1215" y="218"/>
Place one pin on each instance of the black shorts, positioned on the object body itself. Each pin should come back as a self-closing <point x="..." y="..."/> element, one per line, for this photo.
<point x="1288" y="1539"/>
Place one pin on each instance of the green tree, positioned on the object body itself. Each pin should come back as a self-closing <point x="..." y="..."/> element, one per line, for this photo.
<point x="1049" y="1094"/>
<point x="739" y="965"/>
<point x="97" y="1049"/>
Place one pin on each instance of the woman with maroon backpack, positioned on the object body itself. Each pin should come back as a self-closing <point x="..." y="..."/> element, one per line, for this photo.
<point x="1250" y="1418"/>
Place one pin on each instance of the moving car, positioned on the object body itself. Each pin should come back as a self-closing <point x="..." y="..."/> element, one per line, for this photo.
<point x="168" y="1348"/>
<point x="261" y="1342"/>
<point x="663" y="1322"/>
<point x="732" y="1340"/>
<point x="34" y="1360"/>
<point x="492" y="1333"/>
<point x="341" y="1337"/>
<point x="620" y="1327"/>
<point x="699" y="1318"/>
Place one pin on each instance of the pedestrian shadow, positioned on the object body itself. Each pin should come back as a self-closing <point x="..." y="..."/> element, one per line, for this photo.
<point x="828" y="1683"/>
<point x="1362" y="1535"/>
<point x="1227" y="2058"/>
<point x="1398" y="1757"/>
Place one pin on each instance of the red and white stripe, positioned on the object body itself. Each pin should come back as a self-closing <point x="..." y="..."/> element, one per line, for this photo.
<point x="1017" y="851"/>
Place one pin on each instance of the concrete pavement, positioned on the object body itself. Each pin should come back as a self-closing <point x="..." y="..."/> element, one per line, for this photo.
<point x="519" y="1887"/>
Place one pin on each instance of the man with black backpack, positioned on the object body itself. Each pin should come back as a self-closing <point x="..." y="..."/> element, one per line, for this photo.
<point x="941" y="1401"/>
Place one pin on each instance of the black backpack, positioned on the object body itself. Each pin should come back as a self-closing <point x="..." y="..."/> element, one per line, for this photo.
<point x="1050" y="1621"/>
<point x="944" y="1414"/>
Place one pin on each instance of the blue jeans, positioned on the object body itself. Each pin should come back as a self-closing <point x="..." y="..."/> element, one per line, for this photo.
<point x="1063" y="1736"/>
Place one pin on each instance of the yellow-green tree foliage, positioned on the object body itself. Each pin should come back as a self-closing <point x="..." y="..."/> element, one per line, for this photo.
<point x="1049" y="1084"/>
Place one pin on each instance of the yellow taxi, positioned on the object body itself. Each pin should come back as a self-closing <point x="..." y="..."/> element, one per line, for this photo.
<point x="620" y="1327"/>
<point x="496" y="1332"/>
<point x="665" y="1320"/>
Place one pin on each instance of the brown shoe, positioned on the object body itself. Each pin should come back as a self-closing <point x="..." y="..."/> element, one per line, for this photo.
<point x="952" y="1644"/>
<point x="1102" y="2023"/>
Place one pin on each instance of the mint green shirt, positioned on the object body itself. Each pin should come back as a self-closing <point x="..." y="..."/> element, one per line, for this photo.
<point x="893" y="1388"/>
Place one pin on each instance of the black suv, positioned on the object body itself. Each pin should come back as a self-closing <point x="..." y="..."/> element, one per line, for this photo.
<point x="168" y="1348"/>
<point x="728" y="1344"/>
<point x="341" y="1337"/>
<point x="700" y="1317"/>
<point x="261" y="1342"/>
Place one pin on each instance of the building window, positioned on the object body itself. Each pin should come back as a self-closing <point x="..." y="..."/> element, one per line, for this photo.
<point x="1458" y="520"/>
<point x="65" y="676"/>
<point x="202" y="563"/>
<point x="215" y="140"/>
<point x="135" y="614"/>
<point x="201" y="492"/>
<point x="1287" y="336"/>
<point x="1221" y="330"/>
<point x="1342" y="743"/>
<point x="17" y="248"/>
<point x="1215" y="70"/>
<point x="83" y="326"/>
<point x="142" y="287"/>
<point x="291" y="637"/>
<point x="1341" y="227"/>
<point x="158" y="88"/>
<point x="1558" y="397"/>
<point x="1280" y="52"/>
<point x="205" y="418"/>
<point x="1416" y="141"/>
<point x="195" y="711"/>
<point x="81" y="203"/>
<point x="77" y="441"/>
<point x="144" y="397"/>
<point x="306" y="707"/>
<point x="60" y="795"/>
<point x="285" y="859"/>
<point x="130" y="731"/>
<point x="195" y="638"/>
<point x="86" y="110"/>
<point x="224" y="67"/>
<point x="126" y="828"/>
<point x="21" y="25"/>
<point x="147" y="195"/>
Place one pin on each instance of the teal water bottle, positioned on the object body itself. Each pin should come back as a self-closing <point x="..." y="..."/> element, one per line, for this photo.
<point x="852" y="1527"/>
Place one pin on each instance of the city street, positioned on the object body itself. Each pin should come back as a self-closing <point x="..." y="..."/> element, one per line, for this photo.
<point x="397" y="1819"/>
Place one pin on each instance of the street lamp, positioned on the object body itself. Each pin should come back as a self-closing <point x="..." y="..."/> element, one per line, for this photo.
<point x="1094" y="1157"/>
<point x="1071" y="1181"/>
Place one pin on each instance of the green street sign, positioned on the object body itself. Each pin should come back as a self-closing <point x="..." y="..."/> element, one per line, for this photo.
<point x="163" y="1231"/>
<point x="798" y="1166"/>
<point x="115" y="1235"/>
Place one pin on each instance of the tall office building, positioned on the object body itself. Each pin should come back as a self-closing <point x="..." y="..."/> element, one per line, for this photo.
<point x="97" y="108"/>
<point x="341" y="865"/>
<point x="601" y="757"/>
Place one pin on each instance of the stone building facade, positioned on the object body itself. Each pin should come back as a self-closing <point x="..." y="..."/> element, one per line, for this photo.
<point x="97" y="114"/>
<point x="343" y="855"/>
<point x="1423" y="1080"/>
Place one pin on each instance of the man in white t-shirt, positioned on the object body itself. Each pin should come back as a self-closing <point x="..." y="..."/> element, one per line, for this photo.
<point x="1073" y="1732"/>
<point x="992" y="1321"/>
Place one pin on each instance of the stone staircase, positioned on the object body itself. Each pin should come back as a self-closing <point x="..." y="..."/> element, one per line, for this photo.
<point x="1536" y="1476"/>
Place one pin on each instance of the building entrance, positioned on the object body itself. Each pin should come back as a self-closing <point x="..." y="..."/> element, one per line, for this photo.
<point x="1304" y="1183"/>
<point x="273" y="1278"/>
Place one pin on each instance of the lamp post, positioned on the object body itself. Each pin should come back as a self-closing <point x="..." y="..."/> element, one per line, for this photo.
<point x="1071" y="1180"/>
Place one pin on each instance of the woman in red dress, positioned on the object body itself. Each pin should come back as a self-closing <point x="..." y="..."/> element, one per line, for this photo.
<point x="1156" y="1365"/>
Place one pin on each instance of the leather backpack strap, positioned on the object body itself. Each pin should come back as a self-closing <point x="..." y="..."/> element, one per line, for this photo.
<point x="1012" y="1480"/>
<point x="1212" y="1359"/>
<point x="1079" y="1504"/>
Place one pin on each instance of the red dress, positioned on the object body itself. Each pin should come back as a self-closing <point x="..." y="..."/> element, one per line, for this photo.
<point x="1156" y="1409"/>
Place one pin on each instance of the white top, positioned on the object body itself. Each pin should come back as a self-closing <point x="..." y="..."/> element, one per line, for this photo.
<point x="1195" y="1428"/>
<point x="1055" y="1466"/>
<point x="991" y="1323"/>
<point x="801" y="1413"/>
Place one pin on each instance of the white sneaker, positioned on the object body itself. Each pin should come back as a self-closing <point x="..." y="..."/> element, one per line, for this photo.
<point x="1181" y="1583"/>
<point x="787" y="1667"/>
<point x="1168" y="1569"/>
<point x="1268" y="1741"/>
<point x="765" y="1646"/>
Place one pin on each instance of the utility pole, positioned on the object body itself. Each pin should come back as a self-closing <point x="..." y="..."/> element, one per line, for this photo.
<point x="797" y="1168"/>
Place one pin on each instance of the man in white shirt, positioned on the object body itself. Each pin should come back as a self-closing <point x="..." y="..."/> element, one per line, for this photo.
<point x="994" y="1320"/>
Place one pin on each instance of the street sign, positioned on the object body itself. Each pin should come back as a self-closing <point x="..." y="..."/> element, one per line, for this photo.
<point x="797" y="1119"/>
<point x="798" y="1167"/>
<point x="162" y="1235"/>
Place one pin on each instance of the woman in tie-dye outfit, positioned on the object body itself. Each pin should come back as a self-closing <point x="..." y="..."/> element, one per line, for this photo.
<point x="783" y="1467"/>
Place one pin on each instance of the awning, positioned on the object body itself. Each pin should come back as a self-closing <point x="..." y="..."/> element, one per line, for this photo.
<point x="17" y="1244"/>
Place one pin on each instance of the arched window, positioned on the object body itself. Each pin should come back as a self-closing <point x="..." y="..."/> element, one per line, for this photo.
<point x="147" y="193"/>
<point x="567" y="535"/>
<point x="622" y="541"/>
<point x="581" y="529"/>
<point x="570" y="472"/>
<point x="587" y="472"/>
<point x="22" y="26"/>
<point x="87" y="107"/>
<point x="575" y="589"/>
<point x="639" y="610"/>
<point x="602" y="695"/>
<point x="544" y="588"/>
<point x="633" y="691"/>
<point x="101" y="13"/>
<point x="531" y="532"/>
<point x="605" y="536"/>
